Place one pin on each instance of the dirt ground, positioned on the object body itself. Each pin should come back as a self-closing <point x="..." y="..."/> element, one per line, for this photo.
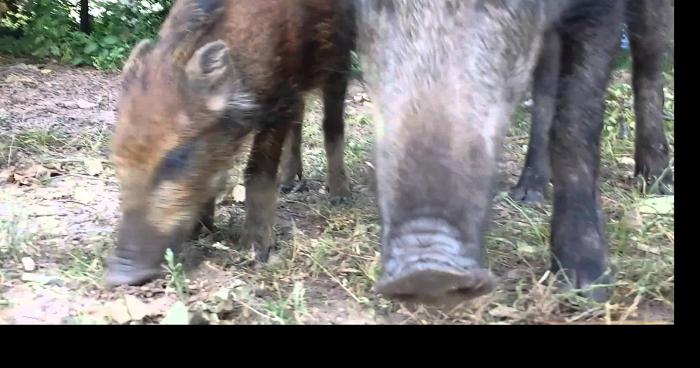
<point x="59" y="206"/>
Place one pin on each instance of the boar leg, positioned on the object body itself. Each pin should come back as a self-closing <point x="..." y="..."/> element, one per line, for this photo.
<point x="291" y="167"/>
<point x="649" y="23"/>
<point x="261" y="188"/>
<point x="536" y="172"/>
<point x="334" y="136"/>
<point x="578" y="239"/>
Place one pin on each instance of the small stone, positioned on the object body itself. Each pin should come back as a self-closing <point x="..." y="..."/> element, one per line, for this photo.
<point x="625" y="160"/>
<point x="93" y="166"/>
<point x="28" y="264"/>
<point x="84" y="195"/>
<point x="219" y="246"/>
<point x="85" y="104"/>
<point x="239" y="193"/>
<point x="105" y="116"/>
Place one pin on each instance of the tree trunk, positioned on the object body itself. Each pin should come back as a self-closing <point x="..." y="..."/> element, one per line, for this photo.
<point x="85" y="25"/>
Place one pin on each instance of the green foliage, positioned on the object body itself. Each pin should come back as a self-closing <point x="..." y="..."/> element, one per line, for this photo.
<point x="50" y="29"/>
<point x="178" y="281"/>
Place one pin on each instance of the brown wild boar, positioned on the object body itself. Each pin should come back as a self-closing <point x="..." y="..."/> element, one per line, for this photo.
<point x="222" y="71"/>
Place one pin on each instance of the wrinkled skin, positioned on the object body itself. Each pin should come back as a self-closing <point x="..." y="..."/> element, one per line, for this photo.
<point x="650" y="27"/>
<point x="446" y="77"/>
<point x="223" y="73"/>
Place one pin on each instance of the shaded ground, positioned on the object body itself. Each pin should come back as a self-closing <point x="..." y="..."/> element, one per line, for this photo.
<point x="59" y="207"/>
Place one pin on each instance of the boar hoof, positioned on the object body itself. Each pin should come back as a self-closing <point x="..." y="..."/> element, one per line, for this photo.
<point x="651" y="161"/>
<point x="121" y="271"/>
<point x="531" y="186"/>
<point x="524" y="194"/>
<point x="657" y="178"/>
<point x="340" y="200"/>
<point x="340" y="195"/>
<point x="597" y="289"/>
<point x="260" y="245"/>
<point x="294" y="187"/>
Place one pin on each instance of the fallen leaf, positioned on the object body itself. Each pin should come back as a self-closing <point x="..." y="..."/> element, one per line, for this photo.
<point x="23" y="180"/>
<point x="275" y="259"/>
<point x="6" y="175"/>
<point x="649" y="249"/>
<point x="177" y="315"/>
<point x="525" y="248"/>
<point x="37" y="171"/>
<point x="118" y="312"/>
<point x="222" y="294"/>
<point x="503" y="311"/>
<point x="222" y="301"/>
<point x="93" y="166"/>
<point x="136" y="308"/>
<point x="518" y="273"/>
<point x="13" y="78"/>
<point x="239" y="193"/>
<point x="657" y="205"/>
<point x="633" y="219"/>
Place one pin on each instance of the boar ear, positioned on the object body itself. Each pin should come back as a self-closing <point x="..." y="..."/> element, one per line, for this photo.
<point x="137" y="53"/>
<point x="209" y="65"/>
<point x="212" y="72"/>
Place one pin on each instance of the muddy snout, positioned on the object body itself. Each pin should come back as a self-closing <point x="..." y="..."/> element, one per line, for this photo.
<point x="427" y="261"/>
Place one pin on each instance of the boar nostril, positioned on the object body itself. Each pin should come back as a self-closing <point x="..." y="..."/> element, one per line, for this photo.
<point x="428" y="261"/>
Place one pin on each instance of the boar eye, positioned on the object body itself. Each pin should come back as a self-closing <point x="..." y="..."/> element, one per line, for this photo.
<point x="175" y="163"/>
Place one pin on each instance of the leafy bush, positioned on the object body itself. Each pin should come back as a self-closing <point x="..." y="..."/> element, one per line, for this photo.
<point x="50" y="29"/>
